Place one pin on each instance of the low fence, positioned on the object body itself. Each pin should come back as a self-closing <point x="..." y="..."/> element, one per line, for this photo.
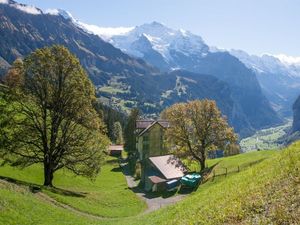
<point x="225" y="171"/>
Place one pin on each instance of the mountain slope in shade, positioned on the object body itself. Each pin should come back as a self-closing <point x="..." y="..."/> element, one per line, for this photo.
<point x="23" y="32"/>
<point x="279" y="77"/>
<point x="120" y="80"/>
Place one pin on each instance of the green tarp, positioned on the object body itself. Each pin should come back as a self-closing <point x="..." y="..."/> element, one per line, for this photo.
<point x="190" y="180"/>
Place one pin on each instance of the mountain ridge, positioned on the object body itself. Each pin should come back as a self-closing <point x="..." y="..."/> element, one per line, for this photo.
<point x="278" y="75"/>
<point x="170" y="49"/>
<point x="124" y="81"/>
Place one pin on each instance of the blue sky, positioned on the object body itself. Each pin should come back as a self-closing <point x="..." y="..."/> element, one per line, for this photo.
<point x="256" y="26"/>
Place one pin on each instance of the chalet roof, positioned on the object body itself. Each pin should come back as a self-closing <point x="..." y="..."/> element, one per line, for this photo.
<point x="169" y="165"/>
<point x="116" y="148"/>
<point x="143" y="124"/>
<point x="156" y="179"/>
<point x="163" y="123"/>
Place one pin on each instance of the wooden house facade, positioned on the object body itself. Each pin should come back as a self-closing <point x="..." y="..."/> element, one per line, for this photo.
<point x="151" y="147"/>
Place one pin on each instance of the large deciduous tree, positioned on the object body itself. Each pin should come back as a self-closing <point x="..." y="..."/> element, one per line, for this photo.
<point x="197" y="127"/>
<point x="54" y="122"/>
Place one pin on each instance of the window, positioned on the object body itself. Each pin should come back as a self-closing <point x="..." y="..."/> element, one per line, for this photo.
<point x="146" y="143"/>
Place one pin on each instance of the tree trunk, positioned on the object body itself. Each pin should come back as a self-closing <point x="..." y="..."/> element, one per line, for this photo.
<point x="48" y="174"/>
<point x="202" y="164"/>
<point x="203" y="156"/>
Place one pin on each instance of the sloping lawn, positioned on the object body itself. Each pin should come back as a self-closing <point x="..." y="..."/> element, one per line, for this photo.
<point x="233" y="162"/>
<point x="19" y="206"/>
<point x="107" y="196"/>
<point x="268" y="192"/>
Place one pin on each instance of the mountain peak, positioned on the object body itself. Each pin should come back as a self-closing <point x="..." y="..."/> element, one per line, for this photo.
<point x="155" y="23"/>
<point x="7" y="2"/>
<point x="60" y="12"/>
<point x="22" y="7"/>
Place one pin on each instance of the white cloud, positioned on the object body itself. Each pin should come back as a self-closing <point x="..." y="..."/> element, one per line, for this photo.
<point x="105" y="32"/>
<point x="25" y="8"/>
<point x="54" y="12"/>
<point x="288" y="60"/>
<point x="3" y="1"/>
<point x="28" y="9"/>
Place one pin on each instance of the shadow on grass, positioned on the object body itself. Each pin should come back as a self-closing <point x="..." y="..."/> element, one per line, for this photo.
<point x="206" y="172"/>
<point x="116" y="169"/>
<point x="37" y="188"/>
<point x="65" y="192"/>
<point x="151" y="195"/>
<point x="187" y="190"/>
<point x="112" y="161"/>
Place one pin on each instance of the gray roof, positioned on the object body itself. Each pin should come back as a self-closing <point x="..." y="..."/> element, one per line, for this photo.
<point x="156" y="179"/>
<point x="169" y="165"/>
<point x="142" y="124"/>
<point x="163" y="123"/>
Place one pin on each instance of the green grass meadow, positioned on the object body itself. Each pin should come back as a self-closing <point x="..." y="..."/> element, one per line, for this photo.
<point x="267" y="192"/>
<point x="107" y="196"/>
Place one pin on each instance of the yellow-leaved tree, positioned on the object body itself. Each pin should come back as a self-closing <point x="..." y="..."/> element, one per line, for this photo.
<point x="197" y="127"/>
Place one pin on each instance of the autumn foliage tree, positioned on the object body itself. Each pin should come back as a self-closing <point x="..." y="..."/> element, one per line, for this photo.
<point x="197" y="127"/>
<point x="54" y="122"/>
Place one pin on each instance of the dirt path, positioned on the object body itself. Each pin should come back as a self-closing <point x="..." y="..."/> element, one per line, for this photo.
<point x="46" y="198"/>
<point x="52" y="201"/>
<point x="153" y="203"/>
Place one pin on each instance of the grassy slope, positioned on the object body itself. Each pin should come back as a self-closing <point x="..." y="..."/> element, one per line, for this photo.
<point x="267" y="192"/>
<point x="107" y="196"/>
<point x="232" y="163"/>
<point x="19" y="206"/>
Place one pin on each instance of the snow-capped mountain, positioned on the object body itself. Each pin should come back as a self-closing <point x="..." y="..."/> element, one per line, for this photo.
<point x="169" y="49"/>
<point x="162" y="39"/>
<point x="153" y="42"/>
<point x="278" y="75"/>
<point x="25" y="8"/>
<point x="267" y="63"/>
